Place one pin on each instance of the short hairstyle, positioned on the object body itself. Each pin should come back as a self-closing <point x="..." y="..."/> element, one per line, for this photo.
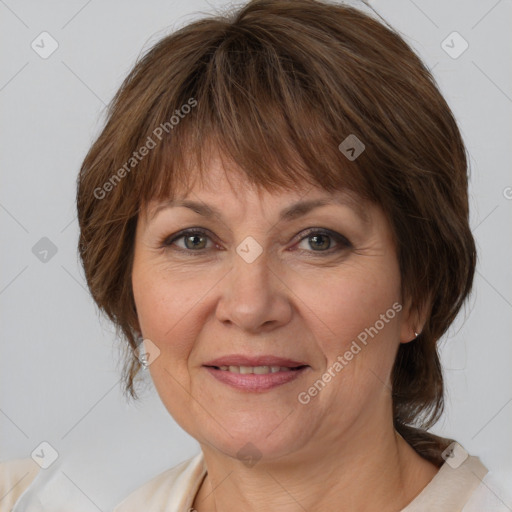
<point x="275" y="87"/>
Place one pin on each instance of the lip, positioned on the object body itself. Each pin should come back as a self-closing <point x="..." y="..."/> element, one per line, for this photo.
<point x="256" y="383"/>
<point x="264" y="360"/>
<point x="252" y="382"/>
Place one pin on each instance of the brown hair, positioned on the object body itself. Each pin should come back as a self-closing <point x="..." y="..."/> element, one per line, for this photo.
<point x="276" y="86"/>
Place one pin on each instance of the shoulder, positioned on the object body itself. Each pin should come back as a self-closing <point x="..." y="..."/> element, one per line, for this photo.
<point x="171" y="490"/>
<point x="15" y="478"/>
<point x="462" y="483"/>
<point x="489" y="496"/>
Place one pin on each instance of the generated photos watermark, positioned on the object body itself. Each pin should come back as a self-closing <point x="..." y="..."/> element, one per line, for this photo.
<point x="342" y="360"/>
<point x="151" y="143"/>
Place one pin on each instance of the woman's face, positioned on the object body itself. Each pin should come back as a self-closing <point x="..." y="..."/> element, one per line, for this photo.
<point x="268" y="284"/>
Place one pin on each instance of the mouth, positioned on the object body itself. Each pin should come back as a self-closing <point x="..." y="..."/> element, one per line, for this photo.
<point x="257" y="370"/>
<point x="255" y="374"/>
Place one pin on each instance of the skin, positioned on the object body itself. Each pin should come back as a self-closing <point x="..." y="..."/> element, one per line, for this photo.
<point x="297" y="300"/>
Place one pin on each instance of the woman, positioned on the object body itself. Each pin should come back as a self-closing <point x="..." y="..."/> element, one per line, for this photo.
<point x="278" y="207"/>
<point x="275" y="216"/>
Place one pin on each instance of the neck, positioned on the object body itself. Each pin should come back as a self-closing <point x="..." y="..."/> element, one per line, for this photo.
<point x="376" y="471"/>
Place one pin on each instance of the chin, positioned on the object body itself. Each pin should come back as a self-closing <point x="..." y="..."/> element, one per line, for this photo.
<point x="254" y="436"/>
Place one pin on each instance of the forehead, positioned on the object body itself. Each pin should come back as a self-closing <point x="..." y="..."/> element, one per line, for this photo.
<point x="222" y="177"/>
<point x="220" y="190"/>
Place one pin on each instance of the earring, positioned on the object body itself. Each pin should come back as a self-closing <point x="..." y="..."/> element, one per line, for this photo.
<point x="142" y="357"/>
<point x="416" y="334"/>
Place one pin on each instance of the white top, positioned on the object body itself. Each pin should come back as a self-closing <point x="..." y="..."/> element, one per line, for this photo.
<point x="467" y="488"/>
<point x="24" y="487"/>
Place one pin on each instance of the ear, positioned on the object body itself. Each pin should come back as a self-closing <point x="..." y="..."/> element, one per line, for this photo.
<point x="414" y="318"/>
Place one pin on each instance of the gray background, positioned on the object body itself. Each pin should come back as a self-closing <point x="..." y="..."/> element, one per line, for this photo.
<point x="59" y="364"/>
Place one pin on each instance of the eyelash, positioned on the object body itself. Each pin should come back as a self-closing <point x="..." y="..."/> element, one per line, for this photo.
<point x="342" y="241"/>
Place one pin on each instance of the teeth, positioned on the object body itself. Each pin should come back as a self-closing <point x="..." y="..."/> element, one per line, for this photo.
<point x="258" y="370"/>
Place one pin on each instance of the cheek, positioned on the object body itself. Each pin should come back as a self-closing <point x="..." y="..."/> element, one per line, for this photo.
<point x="168" y="310"/>
<point x="165" y="307"/>
<point x="344" y="305"/>
<point x="355" y="319"/>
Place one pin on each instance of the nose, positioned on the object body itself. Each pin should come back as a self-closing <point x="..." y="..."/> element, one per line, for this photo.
<point x="254" y="297"/>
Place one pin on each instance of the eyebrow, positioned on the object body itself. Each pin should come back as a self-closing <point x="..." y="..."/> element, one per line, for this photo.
<point x="292" y="212"/>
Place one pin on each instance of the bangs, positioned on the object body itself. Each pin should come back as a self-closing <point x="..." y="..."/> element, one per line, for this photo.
<point x="265" y="113"/>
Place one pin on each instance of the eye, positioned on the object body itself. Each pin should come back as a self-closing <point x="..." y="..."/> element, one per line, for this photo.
<point x="316" y="240"/>
<point x="323" y="241"/>
<point x="193" y="240"/>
